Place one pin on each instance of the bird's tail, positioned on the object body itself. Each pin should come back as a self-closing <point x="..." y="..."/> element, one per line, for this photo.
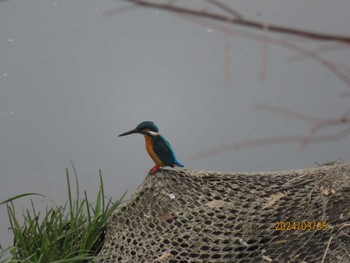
<point x="178" y="164"/>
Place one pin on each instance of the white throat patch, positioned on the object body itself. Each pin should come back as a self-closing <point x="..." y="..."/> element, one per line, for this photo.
<point x="153" y="133"/>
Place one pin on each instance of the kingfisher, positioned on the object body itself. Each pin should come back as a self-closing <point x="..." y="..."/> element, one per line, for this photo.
<point x="157" y="146"/>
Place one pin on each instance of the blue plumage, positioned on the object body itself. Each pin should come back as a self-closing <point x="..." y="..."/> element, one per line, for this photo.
<point x="157" y="146"/>
<point x="164" y="152"/>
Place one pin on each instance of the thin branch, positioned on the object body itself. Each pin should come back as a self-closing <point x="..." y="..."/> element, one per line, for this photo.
<point x="287" y="112"/>
<point x="318" y="50"/>
<point x="323" y="124"/>
<point x="244" y="22"/>
<point x="268" y="141"/>
<point x="121" y="9"/>
<point x="344" y="77"/>
<point x="264" y="55"/>
<point x="317" y="124"/>
<point x="347" y="252"/>
<point x="130" y="7"/>
<point x="341" y="66"/>
<point x="280" y="42"/>
<point x="226" y="8"/>
<point x="344" y="225"/>
<point x="325" y="253"/>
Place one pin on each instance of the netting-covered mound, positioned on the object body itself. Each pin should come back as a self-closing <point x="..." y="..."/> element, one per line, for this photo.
<point x="193" y="216"/>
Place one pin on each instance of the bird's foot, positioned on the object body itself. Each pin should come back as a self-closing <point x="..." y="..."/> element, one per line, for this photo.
<point x="154" y="169"/>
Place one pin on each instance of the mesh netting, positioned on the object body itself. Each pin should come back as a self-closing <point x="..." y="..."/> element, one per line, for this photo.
<point x="193" y="216"/>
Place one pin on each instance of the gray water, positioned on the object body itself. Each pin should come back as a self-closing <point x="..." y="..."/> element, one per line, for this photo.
<point x="72" y="78"/>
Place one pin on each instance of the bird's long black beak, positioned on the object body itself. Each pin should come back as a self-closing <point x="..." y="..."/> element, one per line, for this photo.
<point x="128" y="132"/>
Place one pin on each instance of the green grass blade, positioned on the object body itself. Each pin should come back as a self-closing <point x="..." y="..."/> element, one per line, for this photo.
<point x="76" y="178"/>
<point x="20" y="196"/>
<point x="73" y="232"/>
<point x="102" y="189"/>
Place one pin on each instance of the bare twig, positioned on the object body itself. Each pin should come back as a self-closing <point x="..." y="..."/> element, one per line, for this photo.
<point x="347" y="252"/>
<point x="317" y="123"/>
<point x="121" y="9"/>
<point x="243" y="22"/>
<point x="301" y="247"/>
<point x="325" y="253"/>
<point x="311" y="192"/>
<point x="263" y="26"/>
<point x="264" y="51"/>
<point x="321" y="60"/>
<point x="318" y="50"/>
<point x="268" y="141"/>
<point x="226" y="8"/>
<point x="287" y="112"/>
<point x="344" y="225"/>
<point x="280" y="42"/>
<point x="322" y="124"/>
<point x="342" y="67"/>
<point x="301" y="116"/>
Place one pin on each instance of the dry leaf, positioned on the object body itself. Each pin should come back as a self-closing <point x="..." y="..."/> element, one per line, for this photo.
<point x="280" y="242"/>
<point x="164" y="257"/>
<point x="216" y="203"/>
<point x="327" y="189"/>
<point x="267" y="258"/>
<point x="166" y="216"/>
<point x="273" y="199"/>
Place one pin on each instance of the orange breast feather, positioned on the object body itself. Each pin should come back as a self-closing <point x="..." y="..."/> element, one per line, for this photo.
<point x="150" y="151"/>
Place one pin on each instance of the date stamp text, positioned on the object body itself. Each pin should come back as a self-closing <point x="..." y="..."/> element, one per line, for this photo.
<point x="302" y="225"/>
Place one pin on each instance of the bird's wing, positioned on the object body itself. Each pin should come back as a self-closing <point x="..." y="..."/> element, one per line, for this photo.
<point x="162" y="149"/>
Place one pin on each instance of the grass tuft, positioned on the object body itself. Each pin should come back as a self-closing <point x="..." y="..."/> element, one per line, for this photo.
<point x="73" y="232"/>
